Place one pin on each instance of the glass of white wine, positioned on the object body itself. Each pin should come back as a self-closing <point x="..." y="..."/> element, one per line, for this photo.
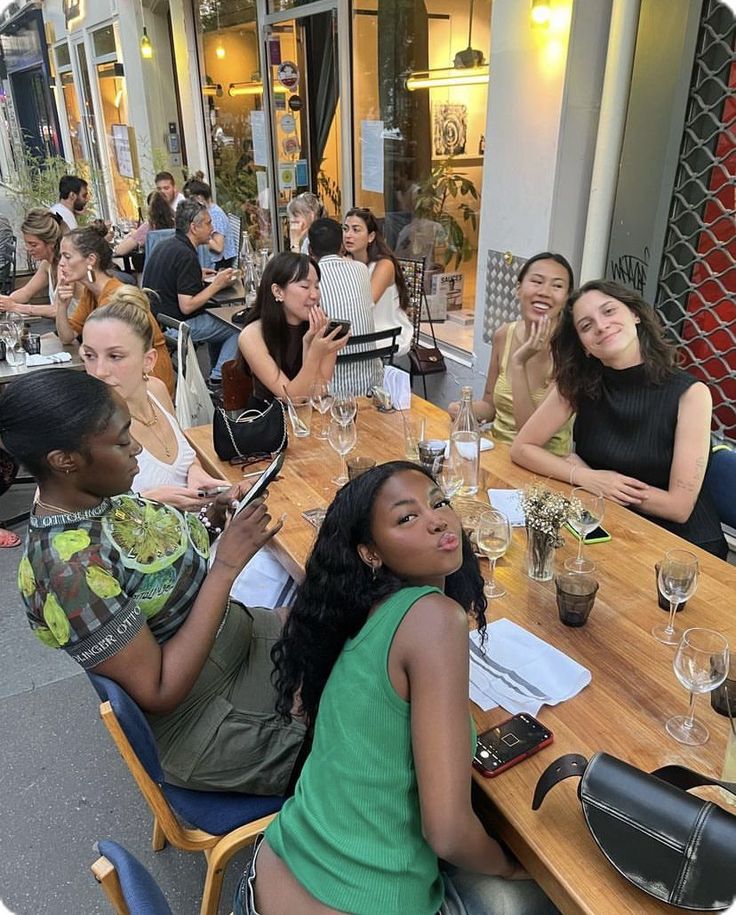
<point x="700" y="664"/>
<point x="493" y="535"/>
<point x="321" y="399"/>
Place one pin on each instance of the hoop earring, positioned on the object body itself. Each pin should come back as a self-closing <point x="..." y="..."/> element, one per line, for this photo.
<point x="90" y="275"/>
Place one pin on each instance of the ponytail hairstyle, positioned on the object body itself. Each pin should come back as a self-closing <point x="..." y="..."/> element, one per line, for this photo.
<point x="378" y="250"/>
<point x="42" y="224"/>
<point x="159" y="211"/>
<point x="131" y="306"/>
<point x="339" y="590"/>
<point x="92" y="239"/>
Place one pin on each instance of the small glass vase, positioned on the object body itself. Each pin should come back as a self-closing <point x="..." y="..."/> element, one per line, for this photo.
<point x="540" y="554"/>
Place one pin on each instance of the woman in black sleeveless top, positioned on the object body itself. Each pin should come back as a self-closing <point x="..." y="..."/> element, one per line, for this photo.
<point x="642" y="430"/>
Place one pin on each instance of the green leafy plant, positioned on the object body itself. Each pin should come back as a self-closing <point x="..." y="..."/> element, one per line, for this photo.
<point x="442" y="187"/>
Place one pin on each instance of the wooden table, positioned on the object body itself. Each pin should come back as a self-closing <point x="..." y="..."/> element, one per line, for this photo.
<point x="50" y="344"/>
<point x="633" y="689"/>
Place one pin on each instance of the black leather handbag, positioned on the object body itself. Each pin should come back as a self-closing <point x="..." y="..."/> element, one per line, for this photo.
<point x="676" y="847"/>
<point x="251" y="436"/>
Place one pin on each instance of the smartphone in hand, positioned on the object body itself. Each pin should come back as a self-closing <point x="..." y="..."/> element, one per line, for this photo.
<point x="508" y="743"/>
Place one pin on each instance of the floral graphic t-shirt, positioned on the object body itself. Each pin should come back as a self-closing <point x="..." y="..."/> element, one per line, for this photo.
<point x="92" y="580"/>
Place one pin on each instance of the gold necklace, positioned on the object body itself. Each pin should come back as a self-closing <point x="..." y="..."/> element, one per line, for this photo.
<point x="57" y="510"/>
<point x="153" y="422"/>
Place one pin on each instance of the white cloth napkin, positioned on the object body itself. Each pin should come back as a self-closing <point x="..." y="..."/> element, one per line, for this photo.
<point x="508" y="501"/>
<point x="398" y="385"/>
<point x="53" y="359"/>
<point x="466" y="448"/>
<point x="520" y="672"/>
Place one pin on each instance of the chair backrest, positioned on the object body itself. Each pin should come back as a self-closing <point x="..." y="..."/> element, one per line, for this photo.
<point x="129" y="887"/>
<point x="389" y="335"/>
<point x="155" y="236"/>
<point x="235" y="231"/>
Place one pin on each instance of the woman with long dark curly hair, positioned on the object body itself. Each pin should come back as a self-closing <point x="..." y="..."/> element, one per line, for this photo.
<point x="642" y="429"/>
<point x="285" y="341"/>
<point x="374" y="655"/>
<point x="364" y="242"/>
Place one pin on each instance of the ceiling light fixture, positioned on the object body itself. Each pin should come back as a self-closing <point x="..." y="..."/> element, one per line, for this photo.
<point x="219" y="49"/>
<point x="541" y="12"/>
<point x="146" y="46"/>
<point x="469" y="68"/>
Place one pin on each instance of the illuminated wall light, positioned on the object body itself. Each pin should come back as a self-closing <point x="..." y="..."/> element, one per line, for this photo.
<point x="541" y="12"/>
<point x="236" y="89"/>
<point x="146" y="46"/>
<point x="213" y="89"/>
<point x="220" y="51"/>
<point x="436" y="79"/>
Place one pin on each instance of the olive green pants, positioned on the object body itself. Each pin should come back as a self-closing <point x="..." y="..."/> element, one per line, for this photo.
<point x="226" y="735"/>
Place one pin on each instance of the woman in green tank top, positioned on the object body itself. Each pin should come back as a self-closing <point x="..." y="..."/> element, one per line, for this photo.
<point x="374" y="655"/>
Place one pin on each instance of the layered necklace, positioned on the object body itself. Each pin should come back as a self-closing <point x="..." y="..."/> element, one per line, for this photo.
<point x="152" y="422"/>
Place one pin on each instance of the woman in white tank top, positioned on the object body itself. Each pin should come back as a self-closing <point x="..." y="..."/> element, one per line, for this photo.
<point x="118" y="349"/>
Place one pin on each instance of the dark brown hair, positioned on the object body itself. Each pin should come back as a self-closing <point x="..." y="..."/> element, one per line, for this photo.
<point x="378" y="250"/>
<point x="576" y="375"/>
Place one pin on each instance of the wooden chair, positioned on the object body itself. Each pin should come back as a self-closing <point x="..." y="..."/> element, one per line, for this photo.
<point x="221" y="823"/>
<point x="129" y="887"/>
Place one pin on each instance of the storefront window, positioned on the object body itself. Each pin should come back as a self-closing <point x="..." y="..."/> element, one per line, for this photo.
<point x="233" y="103"/>
<point x="120" y="137"/>
<point x="73" y="115"/>
<point x="419" y="108"/>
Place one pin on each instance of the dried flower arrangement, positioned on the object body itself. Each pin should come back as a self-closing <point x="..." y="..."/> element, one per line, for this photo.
<point x="546" y="510"/>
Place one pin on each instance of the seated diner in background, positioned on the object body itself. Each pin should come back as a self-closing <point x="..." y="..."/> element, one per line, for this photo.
<point x="363" y="242"/>
<point x="386" y="789"/>
<point x="159" y="217"/>
<point x="642" y="426"/>
<point x="285" y="342"/>
<point x="117" y="348"/>
<point x="221" y="247"/>
<point x="121" y="584"/>
<point x="86" y="258"/>
<point x="520" y="370"/>
<point x="174" y="273"/>
<point x="301" y="211"/>
<point x="42" y="232"/>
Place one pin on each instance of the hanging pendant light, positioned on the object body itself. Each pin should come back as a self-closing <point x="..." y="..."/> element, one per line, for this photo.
<point x="219" y="48"/>
<point x="469" y="68"/>
<point x="146" y="46"/>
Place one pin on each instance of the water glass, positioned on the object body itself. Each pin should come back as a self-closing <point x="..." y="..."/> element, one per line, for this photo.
<point x="358" y="465"/>
<point x="413" y="434"/>
<point x="33" y="344"/>
<point x="575" y="597"/>
<point x="700" y="664"/>
<point x="300" y="414"/>
<point x="449" y="475"/>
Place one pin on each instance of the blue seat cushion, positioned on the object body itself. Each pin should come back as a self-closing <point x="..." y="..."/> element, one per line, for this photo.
<point x="219" y="812"/>
<point x="140" y="891"/>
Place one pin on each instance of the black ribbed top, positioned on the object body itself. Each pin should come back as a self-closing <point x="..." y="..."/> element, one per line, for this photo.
<point x="631" y="429"/>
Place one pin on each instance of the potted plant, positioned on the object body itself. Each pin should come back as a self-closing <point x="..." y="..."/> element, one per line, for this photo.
<point x="435" y="193"/>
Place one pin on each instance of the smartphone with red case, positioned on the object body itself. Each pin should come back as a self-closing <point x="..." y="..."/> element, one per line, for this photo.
<point x="508" y="743"/>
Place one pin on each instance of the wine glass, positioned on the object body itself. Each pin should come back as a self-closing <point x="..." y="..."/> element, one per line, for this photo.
<point x="583" y="521"/>
<point x="343" y="409"/>
<point x="677" y="580"/>
<point x="321" y="399"/>
<point x="342" y="437"/>
<point x="701" y="664"/>
<point x="493" y="535"/>
<point x="448" y="473"/>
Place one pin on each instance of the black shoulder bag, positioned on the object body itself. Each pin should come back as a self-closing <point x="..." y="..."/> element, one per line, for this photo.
<point x="252" y="435"/>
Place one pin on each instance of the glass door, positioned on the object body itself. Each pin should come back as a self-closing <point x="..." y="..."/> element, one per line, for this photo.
<point x="308" y="101"/>
<point x="90" y="132"/>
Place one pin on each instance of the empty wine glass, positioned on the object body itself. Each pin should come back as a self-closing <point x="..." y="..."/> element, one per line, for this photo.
<point x="343" y="409"/>
<point x="342" y="437"/>
<point x="701" y="664"/>
<point x="493" y="536"/>
<point x="448" y="473"/>
<point x="321" y="399"/>
<point x="583" y="521"/>
<point x="677" y="580"/>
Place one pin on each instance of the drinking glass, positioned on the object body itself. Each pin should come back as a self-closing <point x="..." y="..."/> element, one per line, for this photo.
<point x="14" y="352"/>
<point x="583" y="522"/>
<point x="677" y="580"/>
<point x="449" y="474"/>
<point x="321" y="399"/>
<point x="343" y="409"/>
<point x="701" y="664"/>
<point x="342" y="437"/>
<point x="493" y="536"/>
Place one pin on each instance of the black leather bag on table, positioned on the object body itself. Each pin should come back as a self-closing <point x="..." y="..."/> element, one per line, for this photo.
<point x="676" y="847"/>
<point x="253" y="435"/>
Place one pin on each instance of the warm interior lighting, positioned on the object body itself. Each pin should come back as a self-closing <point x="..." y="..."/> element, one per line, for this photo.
<point x="540" y="12"/>
<point x="118" y="97"/>
<point x="436" y="79"/>
<point x="214" y="89"/>
<point x="220" y="51"/>
<point x="146" y="46"/>
<point x="245" y="89"/>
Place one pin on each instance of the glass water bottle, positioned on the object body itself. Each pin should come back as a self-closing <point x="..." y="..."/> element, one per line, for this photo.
<point x="465" y="442"/>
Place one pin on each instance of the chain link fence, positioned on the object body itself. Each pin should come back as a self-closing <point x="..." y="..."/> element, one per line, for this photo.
<point x="696" y="292"/>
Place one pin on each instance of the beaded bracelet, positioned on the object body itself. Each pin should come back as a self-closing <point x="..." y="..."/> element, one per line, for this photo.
<point x="213" y="532"/>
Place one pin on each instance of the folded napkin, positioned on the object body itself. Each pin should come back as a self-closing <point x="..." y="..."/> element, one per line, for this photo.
<point x="520" y="672"/>
<point x="398" y="385"/>
<point x="53" y="359"/>
<point x="466" y="448"/>
<point x="508" y="501"/>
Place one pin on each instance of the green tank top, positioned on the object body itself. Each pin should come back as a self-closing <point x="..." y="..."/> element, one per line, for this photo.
<point x="352" y="833"/>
